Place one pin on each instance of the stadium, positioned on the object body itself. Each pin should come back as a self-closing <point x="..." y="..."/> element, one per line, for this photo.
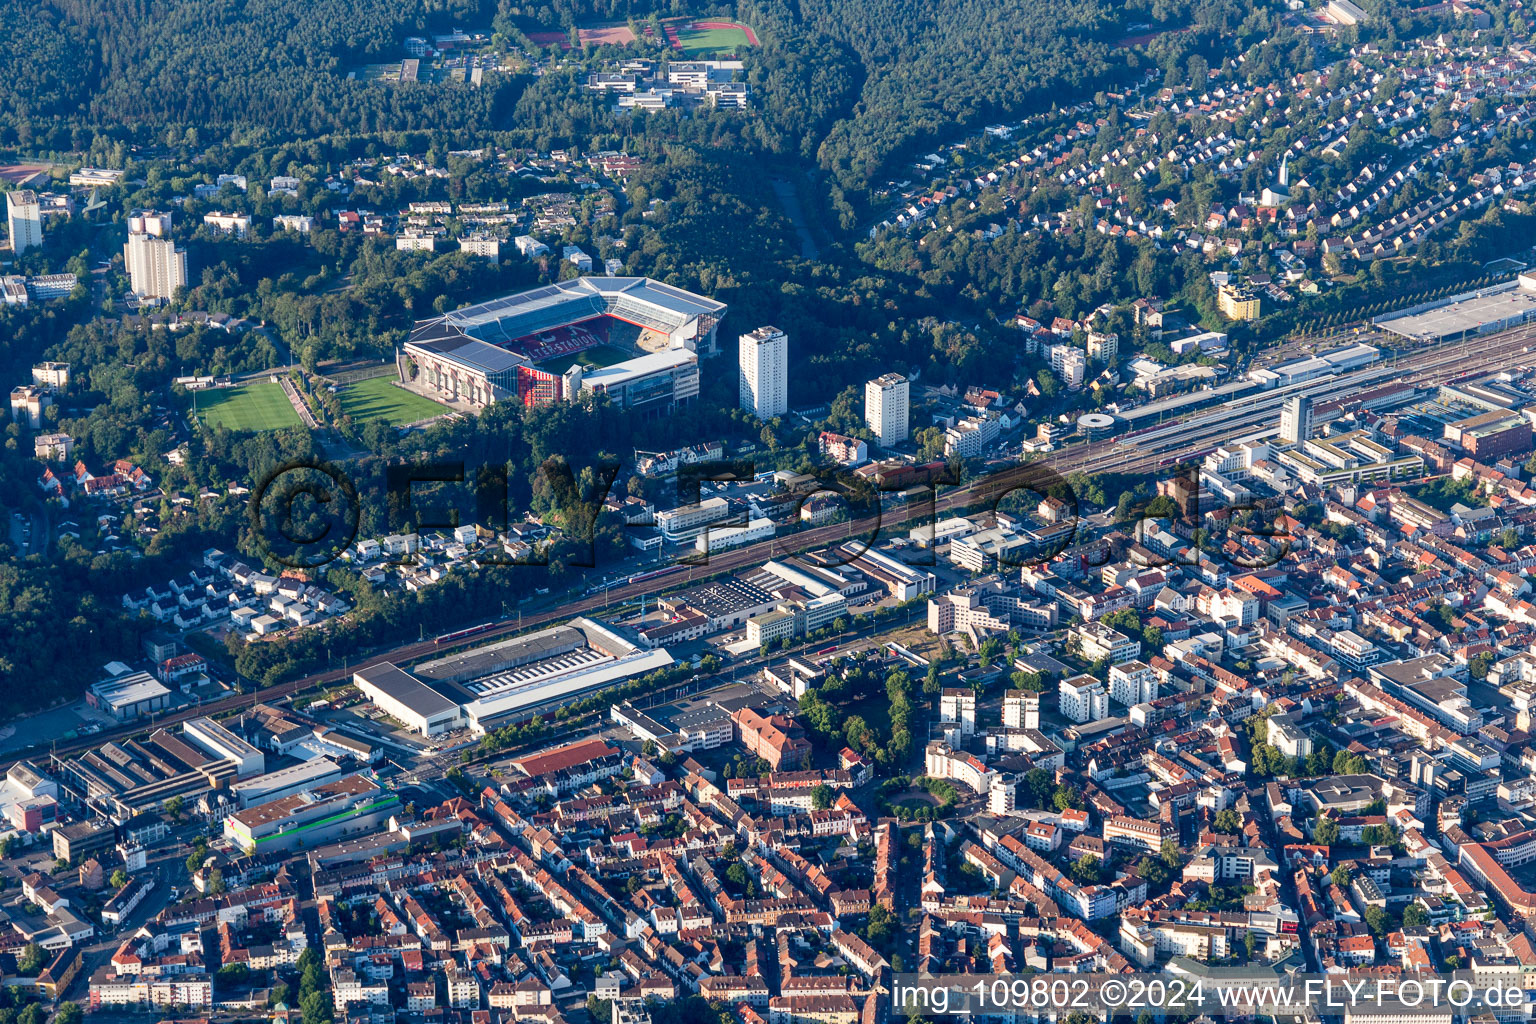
<point x="634" y="339"/>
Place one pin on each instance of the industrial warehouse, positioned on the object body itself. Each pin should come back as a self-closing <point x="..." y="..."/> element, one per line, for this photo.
<point x="509" y="681"/>
<point x="1496" y="308"/>
<point x="636" y="340"/>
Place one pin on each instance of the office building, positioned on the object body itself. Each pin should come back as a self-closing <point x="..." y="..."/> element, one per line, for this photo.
<point x="885" y="408"/>
<point x="313" y="817"/>
<point x="219" y="743"/>
<point x="156" y="268"/>
<point x="764" y="372"/>
<point x="1490" y="436"/>
<point x="1296" y="419"/>
<point x="24" y="214"/>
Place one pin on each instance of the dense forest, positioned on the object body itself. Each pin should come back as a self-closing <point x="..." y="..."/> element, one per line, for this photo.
<point x="859" y="81"/>
<point x="213" y="69"/>
<point x="860" y="86"/>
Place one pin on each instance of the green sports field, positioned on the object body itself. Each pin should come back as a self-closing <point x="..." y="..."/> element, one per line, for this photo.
<point x="704" y="42"/>
<point x="598" y="355"/>
<point x="258" y="406"/>
<point x="377" y="398"/>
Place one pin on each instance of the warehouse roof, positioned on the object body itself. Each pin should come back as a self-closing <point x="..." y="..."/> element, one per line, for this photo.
<point x="399" y="685"/>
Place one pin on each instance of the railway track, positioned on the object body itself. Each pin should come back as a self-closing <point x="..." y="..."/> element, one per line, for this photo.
<point x="1420" y="366"/>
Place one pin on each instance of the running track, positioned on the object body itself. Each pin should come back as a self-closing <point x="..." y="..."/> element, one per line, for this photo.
<point x="677" y="42"/>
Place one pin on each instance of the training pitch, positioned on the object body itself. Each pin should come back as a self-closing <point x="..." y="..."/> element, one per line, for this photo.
<point x="259" y="406"/>
<point x="711" y="38"/>
<point x="377" y="398"/>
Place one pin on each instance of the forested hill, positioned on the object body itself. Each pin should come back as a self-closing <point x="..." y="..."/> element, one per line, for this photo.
<point x="222" y="65"/>
<point x="933" y="69"/>
<point x="860" y="85"/>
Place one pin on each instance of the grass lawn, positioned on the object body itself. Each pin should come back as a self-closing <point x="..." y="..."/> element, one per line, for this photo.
<point x="377" y="398"/>
<point x="598" y="355"/>
<point x="701" y="42"/>
<point x="259" y="406"/>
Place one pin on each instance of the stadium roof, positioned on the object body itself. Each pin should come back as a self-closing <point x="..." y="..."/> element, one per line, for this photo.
<point x="477" y="355"/>
<point x="517" y="316"/>
<point x="640" y="366"/>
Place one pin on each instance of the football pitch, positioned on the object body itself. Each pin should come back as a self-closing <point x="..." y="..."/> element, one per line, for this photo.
<point x="258" y="406"/>
<point x="377" y="398"/>
<point x="710" y="38"/>
<point x="597" y="355"/>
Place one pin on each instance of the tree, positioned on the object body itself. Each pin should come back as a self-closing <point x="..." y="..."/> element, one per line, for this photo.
<point x="33" y="959"/>
<point x="821" y="797"/>
<point x="69" y="1013"/>
<point x="310" y="959"/>
<point x="1086" y="870"/>
<point x="460" y="780"/>
<point x="1152" y="870"/>
<point x="1039" y="785"/>
<point x="1228" y="821"/>
<point x="1342" y="876"/>
<point x="1325" y="832"/>
<point x="1170" y="854"/>
<point x="316" y="1007"/>
<point x="215" y="883"/>
<point x="1345" y="763"/>
<point x="1415" y="916"/>
<point x="1378" y="921"/>
<point x="119" y="879"/>
<point x="880" y="928"/>
<point x="175" y="806"/>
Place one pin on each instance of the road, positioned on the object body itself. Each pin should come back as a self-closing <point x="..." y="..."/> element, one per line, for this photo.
<point x="167" y="867"/>
<point x="1177" y="441"/>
